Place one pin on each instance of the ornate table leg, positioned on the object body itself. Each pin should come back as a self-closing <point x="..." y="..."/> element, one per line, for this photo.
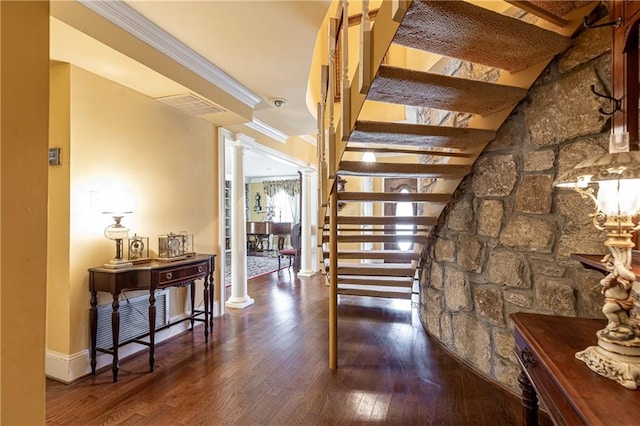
<point x="211" y="297"/>
<point x="206" y="308"/>
<point x="529" y="401"/>
<point x="152" y="327"/>
<point x="93" y="327"/>
<point x="115" y="334"/>
<point x="192" y="291"/>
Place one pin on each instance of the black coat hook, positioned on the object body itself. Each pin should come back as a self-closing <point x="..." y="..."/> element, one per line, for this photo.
<point x="617" y="103"/>
<point x="587" y="24"/>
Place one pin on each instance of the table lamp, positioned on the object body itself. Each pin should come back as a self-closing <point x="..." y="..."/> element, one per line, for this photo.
<point x="117" y="232"/>
<point x="616" y="178"/>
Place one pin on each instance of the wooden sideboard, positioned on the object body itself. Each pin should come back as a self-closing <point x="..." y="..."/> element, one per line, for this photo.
<point x="150" y="276"/>
<point x="568" y="390"/>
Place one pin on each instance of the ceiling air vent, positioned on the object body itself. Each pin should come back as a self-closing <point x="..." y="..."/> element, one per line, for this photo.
<point x="190" y="104"/>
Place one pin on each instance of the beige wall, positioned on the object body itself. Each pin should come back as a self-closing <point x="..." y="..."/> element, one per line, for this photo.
<point x="58" y="208"/>
<point x="24" y="58"/>
<point x="165" y="161"/>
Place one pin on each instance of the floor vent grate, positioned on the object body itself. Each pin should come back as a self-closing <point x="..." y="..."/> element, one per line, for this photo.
<point x="134" y="318"/>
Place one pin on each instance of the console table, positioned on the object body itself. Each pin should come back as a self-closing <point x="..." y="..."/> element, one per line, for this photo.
<point x="570" y="392"/>
<point x="150" y="276"/>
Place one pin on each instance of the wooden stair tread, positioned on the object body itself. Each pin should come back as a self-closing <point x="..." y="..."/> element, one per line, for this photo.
<point x="391" y="293"/>
<point x="419" y="135"/>
<point x="532" y="8"/>
<point x="472" y="33"/>
<point x="433" y="153"/>
<point x="375" y="229"/>
<point x="555" y="8"/>
<point x="377" y="238"/>
<point x="365" y="168"/>
<point x="397" y="197"/>
<point x="418" y="88"/>
<point x="384" y="273"/>
<point x="343" y="229"/>
<point x="358" y="265"/>
<point x="376" y="269"/>
<point x="403" y="282"/>
<point x="385" y="220"/>
<point x="376" y="254"/>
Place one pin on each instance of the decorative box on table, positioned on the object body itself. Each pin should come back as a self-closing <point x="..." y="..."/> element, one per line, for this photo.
<point x="175" y="246"/>
<point x="138" y="249"/>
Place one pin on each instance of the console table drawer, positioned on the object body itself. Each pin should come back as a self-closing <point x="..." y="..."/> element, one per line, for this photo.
<point x="182" y="273"/>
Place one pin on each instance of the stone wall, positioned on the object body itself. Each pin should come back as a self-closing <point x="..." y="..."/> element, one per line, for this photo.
<point x="504" y="244"/>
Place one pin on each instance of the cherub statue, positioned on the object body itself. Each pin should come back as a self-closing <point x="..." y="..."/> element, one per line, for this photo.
<point x="616" y="287"/>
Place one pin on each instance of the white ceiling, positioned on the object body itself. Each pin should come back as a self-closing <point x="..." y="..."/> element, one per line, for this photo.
<point x="265" y="45"/>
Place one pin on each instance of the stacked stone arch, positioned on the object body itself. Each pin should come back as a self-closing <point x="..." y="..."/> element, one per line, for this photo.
<point x="504" y="244"/>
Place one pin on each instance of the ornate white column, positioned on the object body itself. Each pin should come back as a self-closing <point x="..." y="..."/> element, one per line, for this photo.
<point x="305" y="265"/>
<point x="239" y="298"/>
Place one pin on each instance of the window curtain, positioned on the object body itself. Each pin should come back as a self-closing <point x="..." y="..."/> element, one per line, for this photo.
<point x="291" y="187"/>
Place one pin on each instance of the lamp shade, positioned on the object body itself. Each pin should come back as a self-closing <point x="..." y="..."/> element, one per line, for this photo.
<point x="619" y="197"/>
<point x="117" y="201"/>
<point x="618" y="178"/>
<point x="602" y="167"/>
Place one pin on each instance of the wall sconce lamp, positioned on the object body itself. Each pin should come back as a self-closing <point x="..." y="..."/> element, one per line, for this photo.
<point x="616" y="178"/>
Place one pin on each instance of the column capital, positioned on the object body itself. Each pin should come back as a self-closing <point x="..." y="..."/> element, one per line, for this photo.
<point x="307" y="171"/>
<point x="226" y="134"/>
<point x="247" y="141"/>
<point x="234" y="138"/>
<point x="243" y="141"/>
<point x="238" y="146"/>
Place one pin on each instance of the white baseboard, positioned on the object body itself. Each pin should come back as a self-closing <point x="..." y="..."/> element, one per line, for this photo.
<point x="68" y="368"/>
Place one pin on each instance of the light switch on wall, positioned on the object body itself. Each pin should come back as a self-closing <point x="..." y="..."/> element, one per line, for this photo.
<point x="54" y="156"/>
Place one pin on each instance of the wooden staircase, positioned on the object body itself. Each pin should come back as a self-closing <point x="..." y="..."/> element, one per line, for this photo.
<point x="438" y="155"/>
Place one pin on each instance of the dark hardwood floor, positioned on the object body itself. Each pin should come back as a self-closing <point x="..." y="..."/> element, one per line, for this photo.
<point x="268" y="364"/>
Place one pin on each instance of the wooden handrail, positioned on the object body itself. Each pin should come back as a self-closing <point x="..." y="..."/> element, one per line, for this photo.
<point x="333" y="133"/>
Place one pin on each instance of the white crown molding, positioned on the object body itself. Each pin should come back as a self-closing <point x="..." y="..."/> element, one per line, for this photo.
<point x="140" y="27"/>
<point x="265" y="129"/>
